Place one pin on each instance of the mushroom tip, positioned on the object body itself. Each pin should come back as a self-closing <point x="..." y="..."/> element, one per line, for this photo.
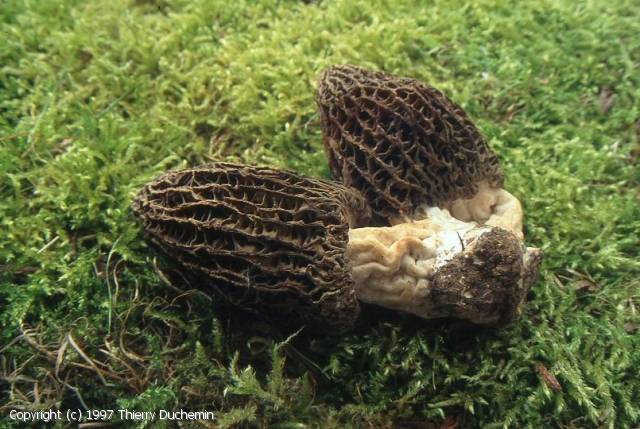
<point x="137" y="205"/>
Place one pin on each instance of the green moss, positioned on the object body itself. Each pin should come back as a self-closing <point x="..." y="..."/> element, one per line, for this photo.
<point x="97" y="98"/>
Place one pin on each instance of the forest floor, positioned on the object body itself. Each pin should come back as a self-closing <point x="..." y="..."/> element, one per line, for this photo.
<point x="97" y="98"/>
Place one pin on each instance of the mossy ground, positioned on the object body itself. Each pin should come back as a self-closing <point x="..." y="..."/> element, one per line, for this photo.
<point x="97" y="98"/>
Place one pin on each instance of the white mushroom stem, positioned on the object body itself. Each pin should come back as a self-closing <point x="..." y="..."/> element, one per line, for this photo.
<point x="490" y="206"/>
<point x="392" y="266"/>
<point x="395" y="266"/>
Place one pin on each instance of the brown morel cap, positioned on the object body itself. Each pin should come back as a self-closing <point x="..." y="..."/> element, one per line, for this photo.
<point x="268" y="240"/>
<point x="400" y="142"/>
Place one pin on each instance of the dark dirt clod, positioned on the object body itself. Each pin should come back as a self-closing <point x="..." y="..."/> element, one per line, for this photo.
<point x="269" y="240"/>
<point x="399" y="141"/>
<point x="488" y="283"/>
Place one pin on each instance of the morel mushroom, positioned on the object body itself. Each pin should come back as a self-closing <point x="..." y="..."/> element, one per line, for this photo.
<point x="404" y="145"/>
<point x="294" y="247"/>
<point x="454" y="247"/>
<point x="269" y="240"/>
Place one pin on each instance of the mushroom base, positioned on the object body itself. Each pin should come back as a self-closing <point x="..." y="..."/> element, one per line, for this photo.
<point x="490" y="206"/>
<point x="443" y="267"/>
